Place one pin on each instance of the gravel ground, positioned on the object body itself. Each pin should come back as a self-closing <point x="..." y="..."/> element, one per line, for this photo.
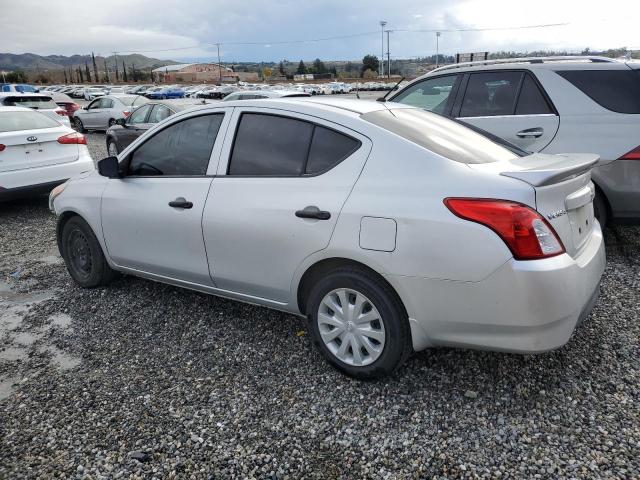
<point x="143" y="380"/>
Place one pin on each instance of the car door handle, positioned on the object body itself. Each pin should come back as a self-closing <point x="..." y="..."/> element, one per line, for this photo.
<point x="531" y="132"/>
<point x="180" y="203"/>
<point x="313" y="212"/>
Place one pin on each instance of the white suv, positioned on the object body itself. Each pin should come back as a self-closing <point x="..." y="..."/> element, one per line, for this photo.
<point x="551" y="105"/>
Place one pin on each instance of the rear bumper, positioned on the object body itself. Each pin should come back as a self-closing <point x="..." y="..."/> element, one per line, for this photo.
<point x="40" y="180"/>
<point x="523" y="307"/>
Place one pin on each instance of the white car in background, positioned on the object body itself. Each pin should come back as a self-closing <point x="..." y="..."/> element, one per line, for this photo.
<point x="390" y="228"/>
<point x="37" y="101"/>
<point x="37" y="153"/>
<point x="103" y="112"/>
<point x="258" y="94"/>
<point x="93" y="92"/>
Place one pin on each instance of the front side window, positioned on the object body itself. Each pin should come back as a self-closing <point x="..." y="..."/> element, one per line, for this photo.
<point x="95" y="104"/>
<point x="159" y="113"/>
<point x="491" y="94"/>
<point x="182" y="149"/>
<point x="433" y="94"/>
<point x="270" y="145"/>
<point x="139" y="115"/>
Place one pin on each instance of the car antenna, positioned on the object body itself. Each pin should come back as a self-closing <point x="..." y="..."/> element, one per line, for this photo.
<point x="384" y="99"/>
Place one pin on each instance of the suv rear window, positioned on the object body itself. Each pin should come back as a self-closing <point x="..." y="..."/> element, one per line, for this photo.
<point x="615" y="90"/>
<point x="440" y="135"/>
<point x="37" y="103"/>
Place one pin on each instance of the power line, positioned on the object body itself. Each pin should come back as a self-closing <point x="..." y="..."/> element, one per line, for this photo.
<point x="342" y="37"/>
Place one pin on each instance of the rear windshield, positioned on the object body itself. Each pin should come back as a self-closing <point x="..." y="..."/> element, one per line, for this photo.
<point x="615" y="90"/>
<point x="15" y="121"/>
<point x="38" y="103"/>
<point x="440" y="135"/>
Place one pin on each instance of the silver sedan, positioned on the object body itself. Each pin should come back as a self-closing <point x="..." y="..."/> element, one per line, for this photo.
<point x="103" y="112"/>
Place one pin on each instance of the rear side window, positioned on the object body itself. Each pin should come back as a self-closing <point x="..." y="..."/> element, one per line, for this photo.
<point x="159" y="113"/>
<point x="16" y="121"/>
<point x="182" y="149"/>
<point x="531" y="101"/>
<point x="491" y="94"/>
<point x="270" y="145"/>
<point x="433" y="94"/>
<point x="615" y="90"/>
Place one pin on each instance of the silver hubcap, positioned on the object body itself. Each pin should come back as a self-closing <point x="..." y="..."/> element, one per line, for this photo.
<point x="112" y="150"/>
<point x="351" y="327"/>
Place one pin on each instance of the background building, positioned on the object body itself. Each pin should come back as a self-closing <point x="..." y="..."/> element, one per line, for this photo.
<point x="195" y="73"/>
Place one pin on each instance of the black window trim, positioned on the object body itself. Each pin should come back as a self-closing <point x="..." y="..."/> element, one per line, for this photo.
<point x="463" y="90"/>
<point x="125" y="162"/>
<point x="302" y="175"/>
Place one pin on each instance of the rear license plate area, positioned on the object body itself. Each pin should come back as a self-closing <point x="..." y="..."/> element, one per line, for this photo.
<point x="581" y="220"/>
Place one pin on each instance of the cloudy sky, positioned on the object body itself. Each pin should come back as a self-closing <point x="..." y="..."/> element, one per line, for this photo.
<point x="276" y="29"/>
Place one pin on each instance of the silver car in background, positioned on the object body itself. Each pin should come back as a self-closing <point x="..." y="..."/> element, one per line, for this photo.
<point x="103" y="112"/>
<point x="390" y="228"/>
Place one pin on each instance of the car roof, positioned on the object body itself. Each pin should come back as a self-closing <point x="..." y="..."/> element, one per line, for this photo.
<point x="23" y="94"/>
<point x="15" y="109"/>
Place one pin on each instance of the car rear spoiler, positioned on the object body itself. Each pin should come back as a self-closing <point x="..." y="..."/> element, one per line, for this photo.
<point x="539" y="170"/>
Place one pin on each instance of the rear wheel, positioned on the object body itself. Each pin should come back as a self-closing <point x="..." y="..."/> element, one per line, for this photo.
<point x="112" y="148"/>
<point x="78" y="125"/>
<point x="83" y="255"/>
<point x="358" y="323"/>
<point x="112" y="122"/>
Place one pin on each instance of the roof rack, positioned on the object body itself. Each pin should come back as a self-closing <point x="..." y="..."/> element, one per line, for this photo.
<point x="499" y="61"/>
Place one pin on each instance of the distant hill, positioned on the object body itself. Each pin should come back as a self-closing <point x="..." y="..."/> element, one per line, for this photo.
<point x="31" y="61"/>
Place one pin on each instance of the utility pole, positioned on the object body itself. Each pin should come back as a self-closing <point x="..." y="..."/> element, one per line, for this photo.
<point x="388" y="55"/>
<point x="219" y="65"/>
<point x="382" y="25"/>
<point x="437" y="48"/>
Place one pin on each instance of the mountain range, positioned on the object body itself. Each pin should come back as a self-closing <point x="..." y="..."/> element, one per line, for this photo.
<point x="31" y="61"/>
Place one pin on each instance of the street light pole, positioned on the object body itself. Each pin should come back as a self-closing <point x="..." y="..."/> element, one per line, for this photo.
<point x="437" y="48"/>
<point x="219" y="65"/>
<point x="388" y="55"/>
<point x="382" y="24"/>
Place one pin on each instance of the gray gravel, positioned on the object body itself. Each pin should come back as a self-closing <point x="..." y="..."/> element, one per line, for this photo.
<point x="143" y="380"/>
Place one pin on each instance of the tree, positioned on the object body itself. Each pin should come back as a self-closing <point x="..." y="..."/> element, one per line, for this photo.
<point x="115" y="62"/>
<point x="267" y="72"/>
<point x="66" y="80"/>
<point x="87" y="72"/>
<point x="281" y="69"/>
<point x="302" y="69"/>
<point x="318" y="66"/>
<point x="370" y="62"/>
<point x="124" y="72"/>
<point x="368" y="73"/>
<point x="80" y="75"/>
<point x="95" y="67"/>
<point x="17" y="76"/>
<point x="106" y="71"/>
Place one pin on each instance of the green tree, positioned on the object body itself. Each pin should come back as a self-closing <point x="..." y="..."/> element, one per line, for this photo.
<point x="302" y="68"/>
<point x="17" y="76"/>
<point x="281" y="69"/>
<point x="87" y="72"/>
<point x="318" y="66"/>
<point x="124" y="72"/>
<point x="370" y="62"/>
<point x="368" y="73"/>
<point x="95" y="67"/>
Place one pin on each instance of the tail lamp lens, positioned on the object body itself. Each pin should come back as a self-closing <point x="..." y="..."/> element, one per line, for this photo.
<point x="527" y="234"/>
<point x="74" y="138"/>
<point x="632" y="155"/>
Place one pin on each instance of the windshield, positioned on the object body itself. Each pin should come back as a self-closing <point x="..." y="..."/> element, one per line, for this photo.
<point x="452" y="140"/>
<point x="37" y="103"/>
<point x="16" y="121"/>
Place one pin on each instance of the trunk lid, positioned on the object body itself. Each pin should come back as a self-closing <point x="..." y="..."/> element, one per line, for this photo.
<point x="563" y="188"/>
<point x="20" y="153"/>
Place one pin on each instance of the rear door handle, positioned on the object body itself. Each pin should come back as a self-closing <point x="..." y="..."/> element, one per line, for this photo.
<point x="531" y="132"/>
<point x="313" y="212"/>
<point x="180" y="202"/>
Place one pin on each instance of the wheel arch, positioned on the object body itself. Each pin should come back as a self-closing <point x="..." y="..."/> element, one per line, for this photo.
<point x="63" y="218"/>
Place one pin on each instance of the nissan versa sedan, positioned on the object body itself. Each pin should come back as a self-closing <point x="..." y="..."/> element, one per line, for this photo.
<point x="392" y="229"/>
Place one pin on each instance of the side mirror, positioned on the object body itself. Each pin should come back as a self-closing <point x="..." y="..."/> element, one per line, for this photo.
<point x="109" y="167"/>
<point x="121" y="121"/>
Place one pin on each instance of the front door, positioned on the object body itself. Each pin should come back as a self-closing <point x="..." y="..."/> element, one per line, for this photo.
<point x="152" y="216"/>
<point x="91" y="116"/>
<point x="282" y="181"/>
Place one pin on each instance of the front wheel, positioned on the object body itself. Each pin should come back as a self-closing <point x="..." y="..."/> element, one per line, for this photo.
<point x="83" y="255"/>
<point x="358" y="323"/>
<point x="112" y="122"/>
<point x="112" y="148"/>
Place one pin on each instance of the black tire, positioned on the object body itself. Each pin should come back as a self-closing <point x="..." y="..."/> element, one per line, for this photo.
<point x="397" y="345"/>
<point x="112" y="122"/>
<point x="78" y="125"/>
<point x="600" y="209"/>
<point x="83" y="255"/>
<point x="112" y="148"/>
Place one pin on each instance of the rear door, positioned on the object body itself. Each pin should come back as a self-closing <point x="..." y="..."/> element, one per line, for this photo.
<point x="510" y="104"/>
<point x="282" y="181"/>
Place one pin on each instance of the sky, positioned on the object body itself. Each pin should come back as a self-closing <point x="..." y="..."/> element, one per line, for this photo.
<point x="274" y="30"/>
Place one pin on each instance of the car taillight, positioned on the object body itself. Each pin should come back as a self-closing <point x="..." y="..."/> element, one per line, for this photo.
<point x="632" y="155"/>
<point x="2" y="147"/>
<point x="61" y="112"/>
<point x="72" y="107"/>
<point x="74" y="138"/>
<point x="126" y="113"/>
<point x="527" y="234"/>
